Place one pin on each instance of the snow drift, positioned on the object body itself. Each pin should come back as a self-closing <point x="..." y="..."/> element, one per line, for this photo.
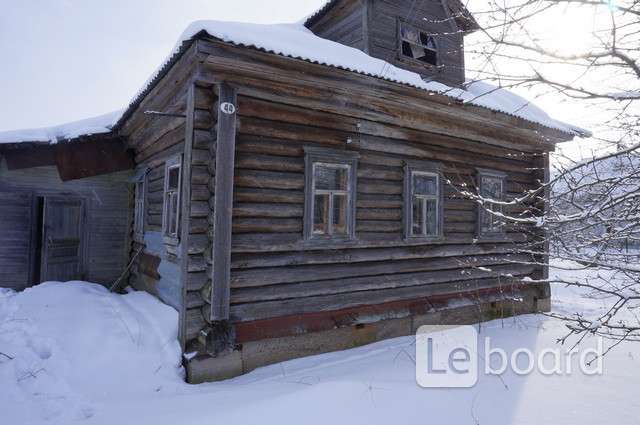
<point x="66" y="344"/>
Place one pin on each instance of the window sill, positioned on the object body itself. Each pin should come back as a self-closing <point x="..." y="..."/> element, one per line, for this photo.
<point x="425" y="239"/>
<point x="329" y="242"/>
<point x="417" y="63"/>
<point x="493" y="237"/>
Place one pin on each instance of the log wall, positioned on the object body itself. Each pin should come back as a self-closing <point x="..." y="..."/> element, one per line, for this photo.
<point x="275" y="273"/>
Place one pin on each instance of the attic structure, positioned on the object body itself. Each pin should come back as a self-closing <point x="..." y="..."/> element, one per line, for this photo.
<point x="424" y="36"/>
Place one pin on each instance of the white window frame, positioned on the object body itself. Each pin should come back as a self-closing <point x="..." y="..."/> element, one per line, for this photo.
<point x="497" y="231"/>
<point x="334" y="159"/>
<point x="169" y="236"/>
<point x="423" y="168"/>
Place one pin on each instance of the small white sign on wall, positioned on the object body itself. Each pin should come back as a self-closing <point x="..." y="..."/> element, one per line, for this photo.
<point x="228" y="108"/>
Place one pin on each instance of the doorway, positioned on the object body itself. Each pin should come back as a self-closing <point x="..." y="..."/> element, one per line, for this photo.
<point x="59" y="239"/>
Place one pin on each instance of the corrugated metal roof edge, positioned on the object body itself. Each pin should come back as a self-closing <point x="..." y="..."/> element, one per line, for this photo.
<point x="204" y="34"/>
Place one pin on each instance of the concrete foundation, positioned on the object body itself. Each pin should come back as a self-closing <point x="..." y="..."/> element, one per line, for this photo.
<point x="254" y="354"/>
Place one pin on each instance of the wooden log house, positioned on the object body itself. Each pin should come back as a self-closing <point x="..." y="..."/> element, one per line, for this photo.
<point x="288" y="204"/>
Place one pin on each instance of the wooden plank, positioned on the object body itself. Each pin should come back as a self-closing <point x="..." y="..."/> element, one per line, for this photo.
<point x="223" y="210"/>
<point x="305" y="273"/>
<point x="269" y="309"/>
<point x="342" y="286"/>
<point x="185" y="216"/>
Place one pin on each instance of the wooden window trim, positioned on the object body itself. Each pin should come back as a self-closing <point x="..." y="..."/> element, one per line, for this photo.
<point x="140" y="205"/>
<point x="401" y="56"/>
<point x="481" y="234"/>
<point x="329" y="157"/>
<point x="171" y="239"/>
<point x="428" y="168"/>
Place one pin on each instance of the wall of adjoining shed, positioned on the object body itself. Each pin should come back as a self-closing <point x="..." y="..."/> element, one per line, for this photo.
<point x="108" y="212"/>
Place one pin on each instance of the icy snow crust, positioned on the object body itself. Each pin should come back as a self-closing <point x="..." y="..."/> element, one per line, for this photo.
<point x="296" y="41"/>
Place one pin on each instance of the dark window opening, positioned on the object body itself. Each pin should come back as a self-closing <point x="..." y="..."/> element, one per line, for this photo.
<point x="418" y="45"/>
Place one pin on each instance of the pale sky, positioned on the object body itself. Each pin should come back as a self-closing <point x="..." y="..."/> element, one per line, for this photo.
<point x="65" y="60"/>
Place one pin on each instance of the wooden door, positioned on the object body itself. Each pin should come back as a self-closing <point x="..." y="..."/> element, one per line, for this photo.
<point x="62" y="234"/>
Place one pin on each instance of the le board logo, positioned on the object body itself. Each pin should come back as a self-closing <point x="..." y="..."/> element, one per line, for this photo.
<point x="446" y="356"/>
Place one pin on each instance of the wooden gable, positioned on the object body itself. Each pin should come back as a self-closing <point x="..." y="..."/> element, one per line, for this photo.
<point x="375" y="27"/>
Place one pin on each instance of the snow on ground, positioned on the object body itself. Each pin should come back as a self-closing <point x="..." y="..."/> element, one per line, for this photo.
<point x="83" y="355"/>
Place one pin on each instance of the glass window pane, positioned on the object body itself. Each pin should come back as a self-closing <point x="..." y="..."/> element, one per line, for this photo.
<point x="331" y="178"/>
<point x="410" y="34"/>
<point x="321" y="214"/>
<point x="432" y="217"/>
<point x="416" y="217"/>
<point x="173" y="207"/>
<point x="339" y="215"/>
<point x="425" y="185"/>
<point x="428" y="41"/>
<point x="491" y="187"/>
<point x="174" y="177"/>
<point x="139" y="187"/>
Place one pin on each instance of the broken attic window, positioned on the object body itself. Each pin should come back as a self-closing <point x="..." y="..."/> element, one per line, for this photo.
<point x="418" y="45"/>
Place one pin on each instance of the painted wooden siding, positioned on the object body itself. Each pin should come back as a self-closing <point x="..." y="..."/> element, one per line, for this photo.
<point x="108" y="216"/>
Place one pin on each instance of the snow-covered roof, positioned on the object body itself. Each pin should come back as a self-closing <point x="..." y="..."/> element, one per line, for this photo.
<point x="96" y="125"/>
<point x="296" y="41"/>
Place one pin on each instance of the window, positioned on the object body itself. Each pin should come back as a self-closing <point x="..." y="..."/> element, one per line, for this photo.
<point x="138" y="220"/>
<point x="139" y="180"/>
<point x="491" y="187"/>
<point x="171" y="209"/>
<point x="330" y="194"/>
<point x="418" y="45"/>
<point x="423" y="200"/>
